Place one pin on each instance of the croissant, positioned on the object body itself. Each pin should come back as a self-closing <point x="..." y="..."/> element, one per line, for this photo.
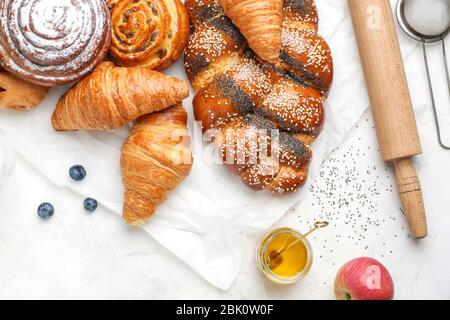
<point x="260" y="23"/>
<point x="156" y="157"/>
<point x="113" y="96"/>
<point x="19" y="94"/>
<point x="262" y="116"/>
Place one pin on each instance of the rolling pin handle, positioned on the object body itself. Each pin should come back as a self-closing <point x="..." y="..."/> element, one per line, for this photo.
<point x="411" y="197"/>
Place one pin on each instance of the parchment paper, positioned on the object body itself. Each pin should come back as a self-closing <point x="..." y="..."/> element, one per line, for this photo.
<point x="205" y="221"/>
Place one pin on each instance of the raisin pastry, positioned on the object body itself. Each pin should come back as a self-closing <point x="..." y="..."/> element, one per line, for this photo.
<point x="150" y="33"/>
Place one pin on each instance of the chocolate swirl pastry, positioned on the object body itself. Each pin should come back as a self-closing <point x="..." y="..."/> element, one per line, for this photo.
<point x="249" y="103"/>
<point x="150" y="33"/>
<point x="52" y="42"/>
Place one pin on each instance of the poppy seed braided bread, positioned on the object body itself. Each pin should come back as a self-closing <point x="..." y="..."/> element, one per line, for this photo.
<point x="237" y="93"/>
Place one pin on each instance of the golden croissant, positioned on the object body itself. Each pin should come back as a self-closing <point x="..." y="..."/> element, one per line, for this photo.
<point x="260" y="23"/>
<point x="19" y="94"/>
<point x="156" y="157"/>
<point x="113" y="96"/>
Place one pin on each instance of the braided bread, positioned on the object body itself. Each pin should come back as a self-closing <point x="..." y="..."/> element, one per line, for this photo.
<point x="251" y="104"/>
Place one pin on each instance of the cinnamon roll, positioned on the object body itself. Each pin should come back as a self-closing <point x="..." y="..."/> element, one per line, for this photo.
<point x="150" y="33"/>
<point x="53" y="42"/>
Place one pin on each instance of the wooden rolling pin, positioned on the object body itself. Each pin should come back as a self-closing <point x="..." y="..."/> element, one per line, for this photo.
<point x="391" y="102"/>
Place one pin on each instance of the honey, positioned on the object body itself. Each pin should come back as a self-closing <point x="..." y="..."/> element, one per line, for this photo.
<point x="285" y="256"/>
<point x="288" y="263"/>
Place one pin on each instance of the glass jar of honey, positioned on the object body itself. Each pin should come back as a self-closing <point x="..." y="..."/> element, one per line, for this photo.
<point x="285" y="256"/>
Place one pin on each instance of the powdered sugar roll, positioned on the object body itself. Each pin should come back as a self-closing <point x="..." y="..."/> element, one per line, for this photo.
<point x="53" y="42"/>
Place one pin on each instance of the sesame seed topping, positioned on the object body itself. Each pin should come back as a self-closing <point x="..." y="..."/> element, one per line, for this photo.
<point x="261" y="109"/>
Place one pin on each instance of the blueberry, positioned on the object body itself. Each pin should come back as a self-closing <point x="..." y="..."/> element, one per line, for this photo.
<point x="45" y="211"/>
<point x="90" y="204"/>
<point x="77" y="173"/>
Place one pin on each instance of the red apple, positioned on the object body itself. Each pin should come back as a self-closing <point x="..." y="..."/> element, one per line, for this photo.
<point x="363" y="279"/>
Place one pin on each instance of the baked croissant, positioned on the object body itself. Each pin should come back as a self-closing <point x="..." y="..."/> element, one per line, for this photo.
<point x="156" y="157"/>
<point x="113" y="96"/>
<point x="19" y="94"/>
<point x="260" y="23"/>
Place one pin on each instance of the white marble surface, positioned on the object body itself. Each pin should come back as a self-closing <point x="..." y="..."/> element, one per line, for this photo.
<point x="97" y="256"/>
<point x="211" y="211"/>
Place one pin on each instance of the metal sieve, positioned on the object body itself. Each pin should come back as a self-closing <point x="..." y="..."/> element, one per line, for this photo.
<point x="427" y="21"/>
